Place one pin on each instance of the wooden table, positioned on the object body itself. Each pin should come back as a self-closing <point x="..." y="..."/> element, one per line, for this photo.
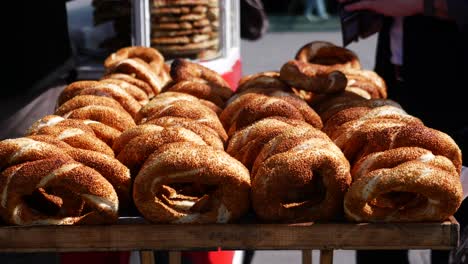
<point x="133" y="234"/>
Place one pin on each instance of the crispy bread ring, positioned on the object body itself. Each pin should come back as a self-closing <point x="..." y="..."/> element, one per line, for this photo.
<point x="132" y="133"/>
<point x="110" y="168"/>
<point x="119" y="120"/>
<point x="434" y="194"/>
<point x="114" y="91"/>
<point x="86" y="100"/>
<point x="200" y="90"/>
<point x="167" y="98"/>
<point x="327" y="53"/>
<point x="315" y="78"/>
<point x="73" y="89"/>
<point x="139" y="148"/>
<point x="77" y="135"/>
<point x="246" y="144"/>
<point x="197" y="112"/>
<point x="301" y="176"/>
<point x="263" y="80"/>
<point x="209" y="135"/>
<point x="132" y="80"/>
<point x="188" y="183"/>
<point x="139" y="95"/>
<point x="149" y="55"/>
<point x="184" y="70"/>
<point x="21" y="181"/>
<point x="140" y="70"/>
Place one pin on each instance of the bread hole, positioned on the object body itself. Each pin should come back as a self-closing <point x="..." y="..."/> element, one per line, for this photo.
<point x="55" y="202"/>
<point x="398" y="200"/>
<point x="307" y="195"/>
<point x="190" y="196"/>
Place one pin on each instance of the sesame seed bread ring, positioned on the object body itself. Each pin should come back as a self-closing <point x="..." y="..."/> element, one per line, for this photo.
<point x="110" y="168"/>
<point x="139" y="95"/>
<point x="182" y="70"/>
<point x="85" y="100"/>
<point x="434" y="194"/>
<point x="327" y="53"/>
<point x="149" y="55"/>
<point x="268" y="79"/>
<point x="20" y="182"/>
<point x="140" y="70"/>
<point x="132" y="133"/>
<point x="73" y="89"/>
<point x="253" y="107"/>
<point x="246" y="144"/>
<point x="132" y="80"/>
<point x="287" y="140"/>
<point x="165" y="99"/>
<point x="113" y="91"/>
<point x="76" y="136"/>
<point x="139" y="148"/>
<point x="102" y="131"/>
<point x="187" y="183"/>
<point x="20" y="150"/>
<point x="201" y="90"/>
<point x="315" y="78"/>
<point x="304" y="177"/>
<point x="119" y="120"/>
<point x="197" y="112"/>
<point x="208" y="134"/>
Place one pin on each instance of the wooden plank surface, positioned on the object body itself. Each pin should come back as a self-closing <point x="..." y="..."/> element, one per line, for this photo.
<point x="230" y="236"/>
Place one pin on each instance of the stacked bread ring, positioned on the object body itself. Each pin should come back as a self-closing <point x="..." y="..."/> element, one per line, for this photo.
<point x="176" y="153"/>
<point x="321" y="69"/>
<point x="297" y="173"/>
<point x="68" y="156"/>
<point x="402" y="170"/>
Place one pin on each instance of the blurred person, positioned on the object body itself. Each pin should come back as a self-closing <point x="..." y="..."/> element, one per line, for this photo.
<point x="422" y="53"/>
<point x="317" y="7"/>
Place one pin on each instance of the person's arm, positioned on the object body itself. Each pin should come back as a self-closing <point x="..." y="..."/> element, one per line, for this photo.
<point x="401" y="7"/>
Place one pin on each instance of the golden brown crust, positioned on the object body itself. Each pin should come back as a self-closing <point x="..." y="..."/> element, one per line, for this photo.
<point x="264" y="80"/>
<point x="197" y="112"/>
<point x="132" y="80"/>
<point x="250" y="107"/>
<point x="85" y="100"/>
<point x="140" y="70"/>
<point x="313" y="77"/>
<point x="110" y="168"/>
<point x="301" y="176"/>
<point x="149" y="55"/>
<point x="200" y="90"/>
<point x="183" y="70"/>
<point x="139" y="148"/>
<point x="246" y="144"/>
<point x="73" y="89"/>
<point x="368" y="81"/>
<point x="84" y="183"/>
<point x="214" y="186"/>
<point x="139" y="95"/>
<point x="76" y="137"/>
<point x="119" y="120"/>
<point x="114" y="91"/>
<point x="434" y="194"/>
<point x="165" y="99"/>
<point x="327" y="53"/>
<point x="209" y="135"/>
<point x="19" y="150"/>
<point x="132" y="133"/>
